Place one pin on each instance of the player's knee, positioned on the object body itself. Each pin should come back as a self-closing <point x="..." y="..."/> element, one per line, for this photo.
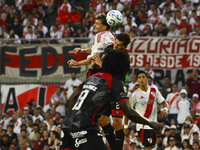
<point x="117" y="122"/>
<point x="104" y="120"/>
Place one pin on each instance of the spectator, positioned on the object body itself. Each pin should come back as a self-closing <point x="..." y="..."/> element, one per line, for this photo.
<point x="187" y="7"/>
<point x="75" y="16"/>
<point x="52" y="112"/>
<point x="52" y="127"/>
<point x="36" y="127"/>
<point x="193" y="84"/>
<point x="27" y="7"/>
<point x="46" y="147"/>
<point x="38" y="143"/>
<point x="174" y="32"/>
<point x="43" y="127"/>
<point x="167" y="20"/>
<point x="4" y="6"/>
<point x="184" y="106"/>
<point x="4" y="142"/>
<point x="53" y="141"/>
<point x="65" y="4"/>
<point x="166" y="133"/>
<point x="42" y="28"/>
<point x="37" y="115"/>
<point x="167" y="88"/>
<point x="195" y="145"/>
<point x="133" y="83"/>
<point x="23" y="138"/>
<point x="155" y="18"/>
<point x="47" y="117"/>
<point x="7" y="119"/>
<point x="91" y="11"/>
<point x="26" y="113"/>
<point x="11" y="135"/>
<point x="184" y="24"/>
<point x="141" y="5"/>
<point x="29" y="36"/>
<point x="30" y="125"/>
<point x="196" y="104"/>
<point x="174" y="134"/>
<point x="150" y="82"/>
<point x="148" y="70"/>
<point x="144" y="25"/>
<point x="12" y="146"/>
<point x="161" y="30"/>
<point x="64" y="15"/>
<point x="185" y="143"/>
<point x="172" y="144"/>
<point x="172" y="99"/>
<point x="70" y="83"/>
<point x="34" y="21"/>
<point x="45" y="136"/>
<point x="55" y="34"/>
<point x="186" y="133"/>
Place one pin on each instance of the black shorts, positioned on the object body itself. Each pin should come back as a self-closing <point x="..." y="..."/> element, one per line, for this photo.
<point x="115" y="111"/>
<point x="92" y="71"/>
<point x="81" y="140"/>
<point x="148" y="137"/>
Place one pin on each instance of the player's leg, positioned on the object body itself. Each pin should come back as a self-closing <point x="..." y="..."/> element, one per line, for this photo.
<point x="118" y="114"/>
<point x="148" y="138"/>
<point x="107" y="128"/>
<point x="67" y="143"/>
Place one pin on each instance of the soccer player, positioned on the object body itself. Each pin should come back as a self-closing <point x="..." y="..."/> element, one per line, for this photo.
<point x="103" y="38"/>
<point x="91" y="99"/>
<point x="145" y="100"/>
<point x="121" y="42"/>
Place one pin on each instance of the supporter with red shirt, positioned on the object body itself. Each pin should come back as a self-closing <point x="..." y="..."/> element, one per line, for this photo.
<point x="195" y="119"/>
<point x="64" y="15"/>
<point x="75" y="15"/>
<point x="38" y="143"/>
<point x="28" y="7"/>
<point x="4" y="6"/>
<point x="193" y="84"/>
<point x="184" y="24"/>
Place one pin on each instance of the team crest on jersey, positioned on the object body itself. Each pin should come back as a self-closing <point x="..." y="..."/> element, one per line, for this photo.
<point x="149" y="140"/>
<point x="153" y="94"/>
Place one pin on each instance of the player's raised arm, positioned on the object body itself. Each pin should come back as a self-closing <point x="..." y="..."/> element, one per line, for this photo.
<point x="136" y="117"/>
<point x="82" y="51"/>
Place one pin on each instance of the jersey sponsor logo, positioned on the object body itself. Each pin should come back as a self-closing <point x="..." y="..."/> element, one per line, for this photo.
<point x="79" y="142"/>
<point x="90" y="87"/>
<point x="149" y="140"/>
<point x="141" y="97"/>
<point x="78" y="134"/>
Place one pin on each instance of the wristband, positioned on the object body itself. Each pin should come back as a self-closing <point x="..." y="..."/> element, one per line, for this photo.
<point x="125" y="126"/>
<point x="166" y="109"/>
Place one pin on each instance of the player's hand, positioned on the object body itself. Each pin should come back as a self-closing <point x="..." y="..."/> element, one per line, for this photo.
<point x="97" y="60"/>
<point x="164" y="113"/>
<point x="77" y="50"/>
<point x="156" y="127"/>
<point x="126" y="131"/>
<point x="72" y="63"/>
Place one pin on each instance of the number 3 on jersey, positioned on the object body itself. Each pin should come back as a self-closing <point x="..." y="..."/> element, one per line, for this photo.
<point x="80" y="100"/>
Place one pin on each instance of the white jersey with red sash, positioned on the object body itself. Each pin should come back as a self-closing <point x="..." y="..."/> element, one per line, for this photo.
<point x="172" y="99"/>
<point x="145" y="103"/>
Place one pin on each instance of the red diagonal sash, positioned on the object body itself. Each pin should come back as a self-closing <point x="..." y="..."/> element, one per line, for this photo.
<point x="173" y="99"/>
<point x="152" y="96"/>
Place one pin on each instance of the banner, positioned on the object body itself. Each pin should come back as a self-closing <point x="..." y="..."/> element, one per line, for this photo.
<point x="167" y="56"/>
<point x="35" y="61"/>
<point x="14" y="97"/>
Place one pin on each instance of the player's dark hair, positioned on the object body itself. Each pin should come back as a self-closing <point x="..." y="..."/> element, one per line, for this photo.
<point x="124" y="37"/>
<point x="102" y="17"/>
<point x="141" y="71"/>
<point x="116" y="63"/>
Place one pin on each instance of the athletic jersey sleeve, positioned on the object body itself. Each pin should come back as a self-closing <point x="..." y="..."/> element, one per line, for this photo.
<point x="132" y="100"/>
<point x="160" y="98"/>
<point x="119" y="91"/>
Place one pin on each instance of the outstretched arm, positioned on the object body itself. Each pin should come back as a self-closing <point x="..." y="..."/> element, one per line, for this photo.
<point x="136" y="117"/>
<point x="73" y="99"/>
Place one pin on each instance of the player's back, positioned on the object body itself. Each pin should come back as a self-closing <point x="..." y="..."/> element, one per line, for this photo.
<point x="97" y="94"/>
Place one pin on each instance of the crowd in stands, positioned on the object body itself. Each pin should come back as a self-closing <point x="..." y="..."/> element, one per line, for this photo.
<point x="32" y="19"/>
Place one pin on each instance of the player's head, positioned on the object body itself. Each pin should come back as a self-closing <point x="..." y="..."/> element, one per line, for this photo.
<point x="142" y="78"/>
<point x="101" y="23"/>
<point x="121" y="41"/>
<point x="116" y="63"/>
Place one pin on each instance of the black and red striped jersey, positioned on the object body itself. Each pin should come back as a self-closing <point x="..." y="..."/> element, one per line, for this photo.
<point x="97" y="95"/>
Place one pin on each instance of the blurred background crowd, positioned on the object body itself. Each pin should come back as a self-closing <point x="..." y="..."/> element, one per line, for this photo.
<point x="56" y="19"/>
<point x="38" y="129"/>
